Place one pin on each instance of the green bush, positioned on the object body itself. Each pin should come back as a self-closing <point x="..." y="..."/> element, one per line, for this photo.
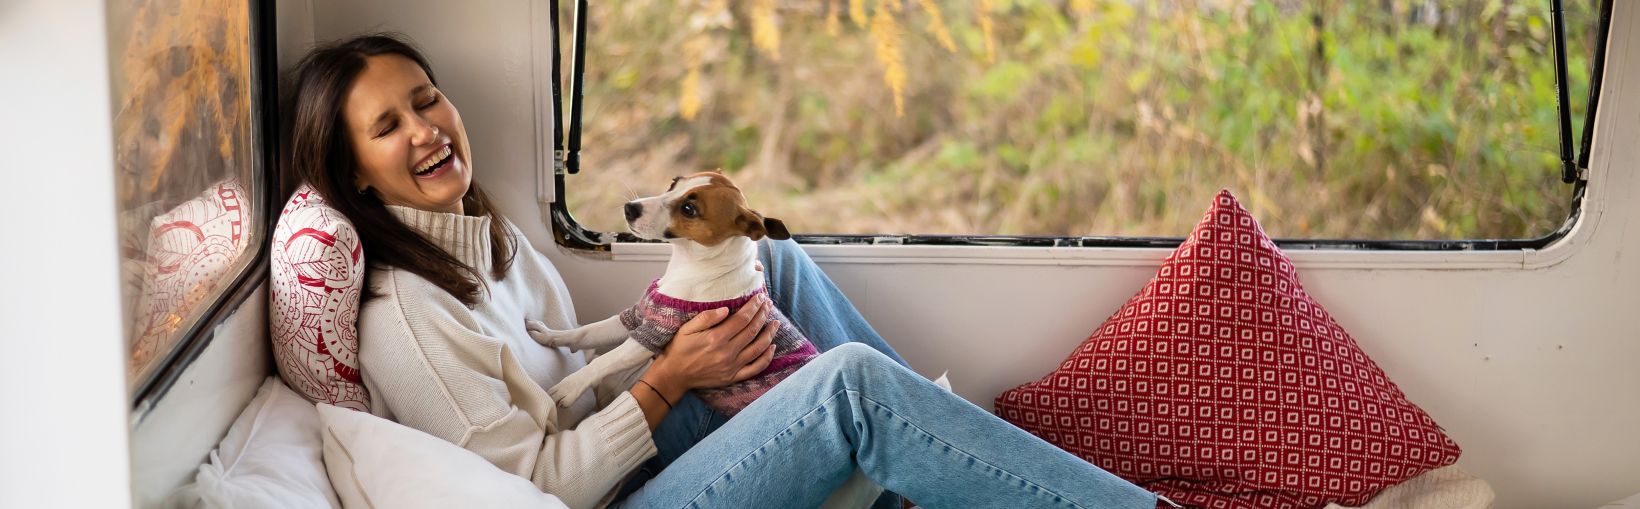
<point x="1330" y="119"/>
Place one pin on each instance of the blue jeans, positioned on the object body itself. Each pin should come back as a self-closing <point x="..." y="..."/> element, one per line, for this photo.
<point x="856" y="405"/>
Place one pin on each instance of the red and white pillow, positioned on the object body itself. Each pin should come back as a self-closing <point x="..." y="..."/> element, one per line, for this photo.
<point x="1222" y="384"/>
<point x="188" y="253"/>
<point x="318" y="276"/>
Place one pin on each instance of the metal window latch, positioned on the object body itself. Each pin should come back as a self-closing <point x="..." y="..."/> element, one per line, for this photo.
<point x="888" y="241"/>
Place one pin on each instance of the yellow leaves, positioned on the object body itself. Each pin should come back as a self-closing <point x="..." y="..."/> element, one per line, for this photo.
<point x="1086" y="53"/>
<point x="833" y="28"/>
<point x="987" y="26"/>
<point x="180" y="59"/>
<point x="689" y="95"/>
<point x="936" y="25"/>
<point x="1432" y="219"/>
<point x="881" y="22"/>
<point x="1082" y="8"/>
<point x="885" y="31"/>
<point x="766" y="29"/>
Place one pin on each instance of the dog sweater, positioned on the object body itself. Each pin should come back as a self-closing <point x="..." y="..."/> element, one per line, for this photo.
<point x="657" y="317"/>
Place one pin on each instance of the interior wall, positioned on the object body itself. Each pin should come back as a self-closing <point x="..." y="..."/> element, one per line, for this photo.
<point x="1528" y="367"/>
<point x="63" y="440"/>
<point x="172" y="439"/>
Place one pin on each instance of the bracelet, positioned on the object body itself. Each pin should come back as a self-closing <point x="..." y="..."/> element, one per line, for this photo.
<point x="657" y="393"/>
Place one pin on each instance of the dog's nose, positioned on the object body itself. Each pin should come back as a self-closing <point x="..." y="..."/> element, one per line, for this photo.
<point x="633" y="210"/>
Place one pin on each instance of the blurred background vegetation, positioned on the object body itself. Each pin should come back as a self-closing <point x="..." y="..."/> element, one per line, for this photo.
<point x="1378" y="119"/>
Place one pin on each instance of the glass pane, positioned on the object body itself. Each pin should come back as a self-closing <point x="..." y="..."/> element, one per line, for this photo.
<point x="1391" y="119"/>
<point x="187" y="176"/>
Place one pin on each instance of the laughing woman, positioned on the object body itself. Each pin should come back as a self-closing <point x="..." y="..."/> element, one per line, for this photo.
<point x="444" y="347"/>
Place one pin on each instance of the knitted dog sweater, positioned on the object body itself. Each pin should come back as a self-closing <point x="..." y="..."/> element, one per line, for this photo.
<point x="657" y="317"/>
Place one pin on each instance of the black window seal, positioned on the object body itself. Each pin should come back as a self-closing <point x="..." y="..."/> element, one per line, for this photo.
<point x="264" y="97"/>
<point x="570" y="234"/>
<point x="1597" y="73"/>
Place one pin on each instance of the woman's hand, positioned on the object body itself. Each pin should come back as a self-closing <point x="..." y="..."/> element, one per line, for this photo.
<point x="715" y="349"/>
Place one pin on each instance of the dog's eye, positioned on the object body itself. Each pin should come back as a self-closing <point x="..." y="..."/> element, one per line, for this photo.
<point x="688" y="210"/>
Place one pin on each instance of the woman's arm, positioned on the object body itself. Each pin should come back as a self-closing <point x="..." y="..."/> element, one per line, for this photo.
<point x="436" y="371"/>
<point x="713" y="349"/>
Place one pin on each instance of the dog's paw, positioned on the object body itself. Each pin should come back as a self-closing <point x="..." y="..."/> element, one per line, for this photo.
<point x="566" y="394"/>
<point x="944" y="381"/>
<point x="547" y="337"/>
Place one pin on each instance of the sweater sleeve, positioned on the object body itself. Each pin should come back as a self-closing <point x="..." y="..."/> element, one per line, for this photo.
<point x="447" y="378"/>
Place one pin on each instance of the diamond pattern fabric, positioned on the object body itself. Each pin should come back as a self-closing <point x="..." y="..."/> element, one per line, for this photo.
<point x="1222" y="384"/>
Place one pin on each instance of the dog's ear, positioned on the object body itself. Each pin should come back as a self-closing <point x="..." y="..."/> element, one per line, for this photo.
<point x="776" y="229"/>
<point x="751" y="223"/>
<point x="756" y="226"/>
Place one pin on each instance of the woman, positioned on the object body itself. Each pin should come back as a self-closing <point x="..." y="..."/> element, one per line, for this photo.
<point x="444" y="348"/>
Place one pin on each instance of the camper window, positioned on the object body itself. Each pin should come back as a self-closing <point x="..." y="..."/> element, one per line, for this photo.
<point x="1088" y="121"/>
<point x="189" y="179"/>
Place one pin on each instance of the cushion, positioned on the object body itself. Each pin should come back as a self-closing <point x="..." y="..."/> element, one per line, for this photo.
<point x="187" y="256"/>
<point x="317" y="277"/>
<point x="1442" y="488"/>
<point x="1224" y="384"/>
<point x="271" y="457"/>
<point x="374" y="462"/>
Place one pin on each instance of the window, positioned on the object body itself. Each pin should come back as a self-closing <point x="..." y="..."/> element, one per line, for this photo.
<point x="189" y="173"/>
<point x="1391" y="120"/>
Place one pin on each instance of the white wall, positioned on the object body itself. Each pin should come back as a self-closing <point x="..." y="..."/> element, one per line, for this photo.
<point x="171" y="440"/>
<point x="481" y="55"/>
<point x="1527" y="358"/>
<point x="62" y="364"/>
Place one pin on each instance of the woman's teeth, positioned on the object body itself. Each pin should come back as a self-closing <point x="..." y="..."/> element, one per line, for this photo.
<point x="434" y="161"/>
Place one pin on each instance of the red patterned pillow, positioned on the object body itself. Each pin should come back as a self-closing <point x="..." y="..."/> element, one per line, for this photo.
<point x="1223" y="384"/>
<point x="187" y="255"/>
<point x="318" y="275"/>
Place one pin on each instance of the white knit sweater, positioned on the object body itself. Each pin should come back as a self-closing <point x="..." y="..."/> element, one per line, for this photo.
<point x="475" y="378"/>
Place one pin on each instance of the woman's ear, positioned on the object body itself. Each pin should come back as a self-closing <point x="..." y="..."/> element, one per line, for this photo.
<point x="775" y="229"/>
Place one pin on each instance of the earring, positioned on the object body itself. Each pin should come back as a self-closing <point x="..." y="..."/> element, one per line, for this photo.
<point x="364" y="190"/>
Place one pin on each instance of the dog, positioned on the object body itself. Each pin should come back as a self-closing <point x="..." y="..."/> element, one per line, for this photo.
<point x="714" y="264"/>
<point x="714" y="255"/>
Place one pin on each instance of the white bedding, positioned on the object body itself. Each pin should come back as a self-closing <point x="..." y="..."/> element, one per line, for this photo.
<point x="1442" y="488"/>
<point x="272" y="457"/>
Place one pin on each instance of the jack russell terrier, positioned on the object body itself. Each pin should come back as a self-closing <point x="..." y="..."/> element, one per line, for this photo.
<point x="714" y="256"/>
<point x="714" y="264"/>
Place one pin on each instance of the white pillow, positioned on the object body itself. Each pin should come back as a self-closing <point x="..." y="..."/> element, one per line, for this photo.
<point x="374" y="462"/>
<point x="1448" y="487"/>
<point x="270" y="458"/>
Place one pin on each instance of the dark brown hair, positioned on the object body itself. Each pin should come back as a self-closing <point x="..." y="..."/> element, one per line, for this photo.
<point x="321" y="155"/>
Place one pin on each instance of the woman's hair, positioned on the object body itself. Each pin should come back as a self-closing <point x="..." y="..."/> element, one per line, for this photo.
<point x="321" y="155"/>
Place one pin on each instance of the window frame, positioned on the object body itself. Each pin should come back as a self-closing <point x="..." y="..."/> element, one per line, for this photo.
<point x="242" y="287"/>
<point x="570" y="234"/>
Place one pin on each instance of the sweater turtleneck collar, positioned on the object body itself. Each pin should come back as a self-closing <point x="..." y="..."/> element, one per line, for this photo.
<point x="465" y="237"/>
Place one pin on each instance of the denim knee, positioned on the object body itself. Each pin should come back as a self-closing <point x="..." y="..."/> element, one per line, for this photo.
<point x="783" y="251"/>
<point x="852" y="353"/>
<point x="854" y="362"/>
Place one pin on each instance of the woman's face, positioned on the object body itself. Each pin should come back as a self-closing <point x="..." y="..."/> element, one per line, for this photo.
<point x="409" y="140"/>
